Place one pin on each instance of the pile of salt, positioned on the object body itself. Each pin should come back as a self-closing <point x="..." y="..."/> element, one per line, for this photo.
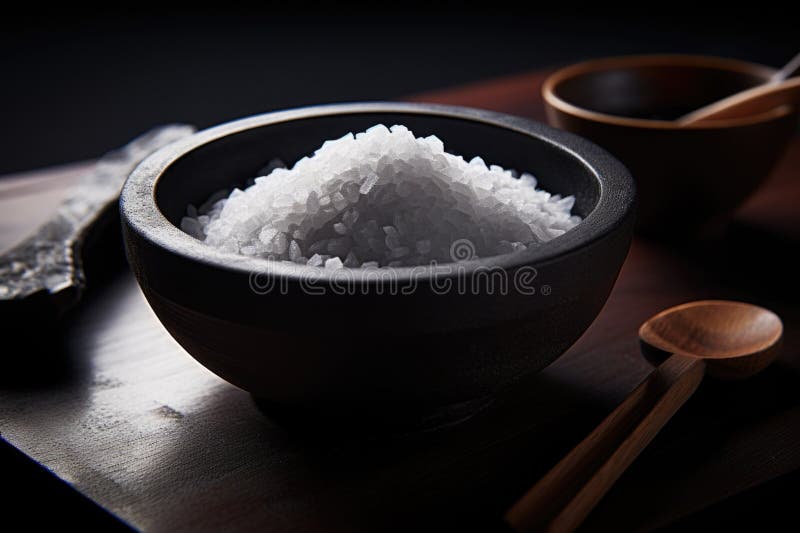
<point x="381" y="198"/>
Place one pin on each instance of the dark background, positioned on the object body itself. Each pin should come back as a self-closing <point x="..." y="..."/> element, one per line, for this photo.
<point x="73" y="86"/>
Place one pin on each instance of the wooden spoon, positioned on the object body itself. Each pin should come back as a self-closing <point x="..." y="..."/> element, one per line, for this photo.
<point x="728" y="340"/>
<point x="780" y="90"/>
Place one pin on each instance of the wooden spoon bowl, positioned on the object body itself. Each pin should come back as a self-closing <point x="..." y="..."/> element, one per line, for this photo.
<point x="735" y="339"/>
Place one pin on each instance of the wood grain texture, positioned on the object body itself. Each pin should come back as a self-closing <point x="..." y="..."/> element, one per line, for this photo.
<point x="130" y="420"/>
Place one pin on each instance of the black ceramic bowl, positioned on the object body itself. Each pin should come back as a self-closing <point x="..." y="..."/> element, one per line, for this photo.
<point x="303" y="340"/>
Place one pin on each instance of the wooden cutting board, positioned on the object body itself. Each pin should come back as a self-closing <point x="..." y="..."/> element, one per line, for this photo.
<point x="130" y="420"/>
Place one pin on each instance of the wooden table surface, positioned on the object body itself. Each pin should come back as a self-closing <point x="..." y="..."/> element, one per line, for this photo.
<point x="134" y="423"/>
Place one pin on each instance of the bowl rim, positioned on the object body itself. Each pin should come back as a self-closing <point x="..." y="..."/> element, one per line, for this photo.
<point x="141" y="214"/>
<point x="552" y="82"/>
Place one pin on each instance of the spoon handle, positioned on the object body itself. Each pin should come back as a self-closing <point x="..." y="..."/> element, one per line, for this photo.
<point x="789" y="69"/>
<point x="751" y="102"/>
<point x="565" y="495"/>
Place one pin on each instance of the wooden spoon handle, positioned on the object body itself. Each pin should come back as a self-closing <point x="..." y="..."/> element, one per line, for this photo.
<point x="565" y="495"/>
<point x="751" y="102"/>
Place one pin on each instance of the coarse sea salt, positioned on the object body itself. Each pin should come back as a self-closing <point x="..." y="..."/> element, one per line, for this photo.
<point x="379" y="198"/>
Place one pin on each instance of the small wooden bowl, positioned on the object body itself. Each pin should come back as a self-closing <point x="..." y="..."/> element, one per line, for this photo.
<point x="374" y="350"/>
<point x="688" y="178"/>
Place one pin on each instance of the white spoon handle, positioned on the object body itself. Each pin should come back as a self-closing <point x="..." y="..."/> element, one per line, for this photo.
<point x="789" y="69"/>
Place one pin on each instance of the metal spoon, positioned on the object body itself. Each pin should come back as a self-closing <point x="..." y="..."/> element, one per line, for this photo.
<point x="781" y="89"/>
<point x="728" y="340"/>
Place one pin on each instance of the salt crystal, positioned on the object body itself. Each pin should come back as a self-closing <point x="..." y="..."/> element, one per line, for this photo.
<point x="477" y="161"/>
<point x="350" y="217"/>
<point x="284" y="200"/>
<point x="339" y="246"/>
<point x="351" y="192"/>
<point x="267" y="234"/>
<point x="279" y="243"/>
<point x="504" y="247"/>
<point x="192" y="227"/>
<point x="212" y="200"/>
<point x="338" y="201"/>
<point x="294" y="251"/>
<point x="528" y="180"/>
<point x="392" y="241"/>
<point x="333" y="263"/>
<point x="269" y="167"/>
<point x="318" y="246"/>
<point x="400" y="251"/>
<point x="312" y="203"/>
<point x="352" y="260"/>
<point x="368" y="184"/>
